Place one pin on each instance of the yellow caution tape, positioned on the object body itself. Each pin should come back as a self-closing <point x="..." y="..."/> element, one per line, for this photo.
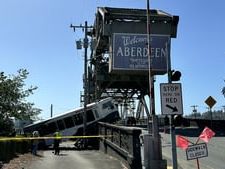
<point x="52" y="137"/>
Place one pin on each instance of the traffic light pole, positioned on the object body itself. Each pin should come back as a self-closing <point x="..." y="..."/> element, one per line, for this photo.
<point x="151" y="78"/>
<point x="152" y="141"/>
<point x="172" y="127"/>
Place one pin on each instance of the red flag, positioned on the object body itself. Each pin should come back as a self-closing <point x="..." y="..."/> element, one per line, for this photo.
<point x="182" y="142"/>
<point x="206" y="134"/>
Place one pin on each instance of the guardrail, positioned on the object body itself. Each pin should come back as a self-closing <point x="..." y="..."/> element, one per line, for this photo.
<point x="124" y="143"/>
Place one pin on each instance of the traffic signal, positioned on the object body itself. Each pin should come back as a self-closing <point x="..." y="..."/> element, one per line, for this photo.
<point x="178" y="120"/>
<point x="175" y="75"/>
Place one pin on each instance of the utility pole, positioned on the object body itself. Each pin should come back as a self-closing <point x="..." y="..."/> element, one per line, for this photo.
<point x="194" y="110"/>
<point x="85" y="87"/>
<point x="51" y="110"/>
<point x="152" y="143"/>
<point x="155" y="131"/>
<point x="223" y="109"/>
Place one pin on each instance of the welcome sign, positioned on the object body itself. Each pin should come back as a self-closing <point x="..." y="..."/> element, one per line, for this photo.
<point x="130" y="52"/>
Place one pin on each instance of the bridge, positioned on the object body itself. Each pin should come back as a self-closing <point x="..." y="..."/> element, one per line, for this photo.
<point x="108" y="74"/>
<point x="123" y="150"/>
<point x="118" y="67"/>
<point x="120" y="142"/>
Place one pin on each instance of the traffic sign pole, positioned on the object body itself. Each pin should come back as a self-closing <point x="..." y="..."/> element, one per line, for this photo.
<point x="210" y="101"/>
<point x="198" y="163"/>
<point x="172" y="128"/>
<point x="173" y="141"/>
<point x="171" y="104"/>
<point x="197" y="151"/>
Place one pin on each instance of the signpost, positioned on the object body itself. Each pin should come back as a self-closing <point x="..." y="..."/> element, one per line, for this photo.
<point x="197" y="151"/>
<point x="171" y="98"/>
<point x="210" y="101"/>
<point x="171" y="104"/>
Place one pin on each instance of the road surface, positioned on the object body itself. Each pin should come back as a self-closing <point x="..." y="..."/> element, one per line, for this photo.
<point x="68" y="159"/>
<point x="71" y="159"/>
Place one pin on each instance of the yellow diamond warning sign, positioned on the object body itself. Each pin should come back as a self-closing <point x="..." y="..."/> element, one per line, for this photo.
<point x="210" y="101"/>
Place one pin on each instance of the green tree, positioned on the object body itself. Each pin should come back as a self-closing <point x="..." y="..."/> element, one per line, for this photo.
<point x="13" y="101"/>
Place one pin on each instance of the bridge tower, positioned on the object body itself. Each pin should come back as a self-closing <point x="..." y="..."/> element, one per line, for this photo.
<point x="129" y="48"/>
<point x="119" y="63"/>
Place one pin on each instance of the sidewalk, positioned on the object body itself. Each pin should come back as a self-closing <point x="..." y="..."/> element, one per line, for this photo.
<point x="68" y="159"/>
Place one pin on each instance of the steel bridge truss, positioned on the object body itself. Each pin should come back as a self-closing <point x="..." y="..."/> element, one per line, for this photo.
<point x="128" y="89"/>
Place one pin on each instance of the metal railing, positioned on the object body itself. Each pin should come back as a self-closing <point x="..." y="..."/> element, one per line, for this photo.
<point x="122" y="142"/>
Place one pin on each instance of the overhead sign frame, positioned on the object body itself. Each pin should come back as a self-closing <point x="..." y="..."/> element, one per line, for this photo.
<point x="197" y="151"/>
<point x="171" y="98"/>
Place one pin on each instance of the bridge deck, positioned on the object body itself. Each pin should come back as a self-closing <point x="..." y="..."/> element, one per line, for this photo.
<point x="68" y="159"/>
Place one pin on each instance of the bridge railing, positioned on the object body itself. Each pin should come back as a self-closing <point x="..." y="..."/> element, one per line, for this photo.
<point x="122" y="142"/>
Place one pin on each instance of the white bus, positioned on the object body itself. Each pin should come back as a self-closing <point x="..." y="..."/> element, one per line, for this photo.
<point x="71" y="123"/>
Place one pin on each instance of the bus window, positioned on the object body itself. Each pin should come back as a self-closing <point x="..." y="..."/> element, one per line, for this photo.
<point x="90" y="116"/>
<point x="43" y="129"/>
<point x="51" y="128"/>
<point x="69" y="122"/>
<point x="60" y="125"/>
<point x="96" y="114"/>
<point x="107" y="105"/>
<point x="78" y="118"/>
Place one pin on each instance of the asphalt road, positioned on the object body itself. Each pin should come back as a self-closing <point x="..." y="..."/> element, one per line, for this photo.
<point x="71" y="159"/>
<point x="215" y="159"/>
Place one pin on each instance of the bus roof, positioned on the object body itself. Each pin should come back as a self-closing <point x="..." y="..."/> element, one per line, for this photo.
<point x="67" y="112"/>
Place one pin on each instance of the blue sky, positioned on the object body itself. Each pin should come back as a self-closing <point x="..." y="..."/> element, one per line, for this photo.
<point x="35" y="35"/>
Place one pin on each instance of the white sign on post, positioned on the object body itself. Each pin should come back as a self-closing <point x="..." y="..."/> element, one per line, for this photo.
<point x="196" y="151"/>
<point x="171" y="98"/>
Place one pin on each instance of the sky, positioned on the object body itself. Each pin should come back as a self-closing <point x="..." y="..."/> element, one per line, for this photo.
<point x="35" y="35"/>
